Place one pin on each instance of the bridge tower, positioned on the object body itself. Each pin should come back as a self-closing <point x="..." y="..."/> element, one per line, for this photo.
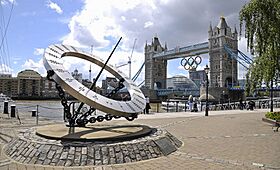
<point x="223" y="69"/>
<point x="155" y="69"/>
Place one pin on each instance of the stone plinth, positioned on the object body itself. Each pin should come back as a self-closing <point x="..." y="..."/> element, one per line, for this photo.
<point x="30" y="148"/>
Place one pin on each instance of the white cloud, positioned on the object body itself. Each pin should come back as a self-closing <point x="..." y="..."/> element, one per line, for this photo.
<point x="39" y="51"/>
<point x="4" y="69"/>
<point x="102" y="23"/>
<point x="6" y="2"/>
<point x="180" y="67"/>
<point x="54" y="6"/>
<point x="123" y="18"/>
<point x="109" y="20"/>
<point x="36" y="66"/>
<point x="148" y="24"/>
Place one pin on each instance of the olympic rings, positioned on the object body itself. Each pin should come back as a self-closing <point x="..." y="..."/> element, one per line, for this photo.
<point x="191" y="63"/>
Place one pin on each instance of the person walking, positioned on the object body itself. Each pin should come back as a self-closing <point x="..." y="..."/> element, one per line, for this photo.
<point x="241" y="105"/>
<point x="195" y="109"/>
<point x="190" y="102"/>
<point x="148" y="107"/>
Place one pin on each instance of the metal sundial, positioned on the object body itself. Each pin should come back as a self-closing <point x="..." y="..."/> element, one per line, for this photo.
<point x="54" y="65"/>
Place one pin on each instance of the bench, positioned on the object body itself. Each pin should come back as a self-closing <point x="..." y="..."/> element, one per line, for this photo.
<point x="275" y="123"/>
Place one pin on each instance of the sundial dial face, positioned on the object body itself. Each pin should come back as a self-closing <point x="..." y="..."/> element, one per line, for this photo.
<point x="53" y="61"/>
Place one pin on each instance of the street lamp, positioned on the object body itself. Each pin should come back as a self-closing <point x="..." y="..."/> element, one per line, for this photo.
<point x="206" y="69"/>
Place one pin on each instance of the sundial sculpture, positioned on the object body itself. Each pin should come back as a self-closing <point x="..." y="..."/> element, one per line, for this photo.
<point x="53" y="62"/>
<point x="97" y="141"/>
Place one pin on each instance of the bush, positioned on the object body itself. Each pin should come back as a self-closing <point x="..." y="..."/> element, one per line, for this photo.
<point x="273" y="115"/>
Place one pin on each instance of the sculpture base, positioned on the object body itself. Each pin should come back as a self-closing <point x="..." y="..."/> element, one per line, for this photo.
<point x="90" y="146"/>
<point x="93" y="133"/>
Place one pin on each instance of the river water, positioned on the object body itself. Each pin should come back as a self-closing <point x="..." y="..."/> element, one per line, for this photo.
<point x="50" y="109"/>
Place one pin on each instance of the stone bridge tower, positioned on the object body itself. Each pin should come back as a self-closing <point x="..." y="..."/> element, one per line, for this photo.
<point x="155" y="69"/>
<point x="223" y="69"/>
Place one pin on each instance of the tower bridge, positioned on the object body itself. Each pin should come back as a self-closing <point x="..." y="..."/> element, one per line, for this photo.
<point x="223" y="68"/>
<point x="180" y="52"/>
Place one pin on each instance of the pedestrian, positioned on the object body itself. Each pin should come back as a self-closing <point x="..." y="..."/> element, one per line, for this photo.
<point x="148" y="107"/>
<point x="195" y="109"/>
<point x="190" y="102"/>
<point x="240" y="104"/>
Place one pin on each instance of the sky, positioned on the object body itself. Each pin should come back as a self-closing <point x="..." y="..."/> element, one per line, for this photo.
<point x="30" y="26"/>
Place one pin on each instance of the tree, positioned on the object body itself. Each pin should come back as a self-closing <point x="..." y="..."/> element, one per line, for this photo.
<point x="262" y="30"/>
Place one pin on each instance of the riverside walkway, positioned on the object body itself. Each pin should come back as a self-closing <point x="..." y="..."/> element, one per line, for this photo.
<point x="233" y="139"/>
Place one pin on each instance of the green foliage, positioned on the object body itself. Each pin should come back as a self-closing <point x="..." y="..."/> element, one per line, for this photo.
<point x="273" y="115"/>
<point x="262" y="30"/>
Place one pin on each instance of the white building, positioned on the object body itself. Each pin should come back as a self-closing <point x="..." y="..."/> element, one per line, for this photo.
<point x="78" y="76"/>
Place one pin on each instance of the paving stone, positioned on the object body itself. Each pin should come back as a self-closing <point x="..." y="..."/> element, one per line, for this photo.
<point x="50" y="154"/>
<point x="111" y="152"/>
<point x="72" y="150"/>
<point x="54" y="147"/>
<point x="149" y="155"/>
<point x="90" y="152"/>
<point x="113" y="160"/>
<point x="98" y="162"/>
<point x="105" y="160"/>
<point x="71" y="157"/>
<point x="24" y="151"/>
<point x="83" y="160"/>
<point x="77" y="158"/>
<point x="33" y="160"/>
<point x="117" y="148"/>
<point x="84" y="150"/>
<point x="59" y="150"/>
<point x="40" y="162"/>
<point x="90" y="161"/>
<point x="135" y="148"/>
<point x="64" y="155"/>
<point x="127" y="159"/>
<point x="78" y="149"/>
<point x="138" y="157"/>
<point x="27" y="160"/>
<point x="68" y="163"/>
<point x="61" y="162"/>
<point x="32" y="154"/>
<point x="143" y="153"/>
<point x="56" y="158"/>
<point x="46" y="162"/>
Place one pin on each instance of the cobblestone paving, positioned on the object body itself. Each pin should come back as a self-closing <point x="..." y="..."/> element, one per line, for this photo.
<point x="224" y="141"/>
<point x="29" y="148"/>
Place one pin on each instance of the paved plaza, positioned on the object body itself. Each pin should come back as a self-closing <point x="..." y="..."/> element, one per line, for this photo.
<point x="231" y="139"/>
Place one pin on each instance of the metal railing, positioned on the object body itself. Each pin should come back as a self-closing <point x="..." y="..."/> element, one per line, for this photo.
<point x="183" y="105"/>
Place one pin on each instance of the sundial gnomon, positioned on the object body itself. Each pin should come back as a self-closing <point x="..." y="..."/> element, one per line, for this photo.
<point x="53" y="62"/>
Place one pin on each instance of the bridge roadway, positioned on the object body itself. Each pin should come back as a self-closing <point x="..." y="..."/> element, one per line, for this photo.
<point x="180" y="92"/>
<point x="180" y="52"/>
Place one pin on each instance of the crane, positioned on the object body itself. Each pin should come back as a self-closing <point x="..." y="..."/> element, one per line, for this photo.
<point x="129" y="59"/>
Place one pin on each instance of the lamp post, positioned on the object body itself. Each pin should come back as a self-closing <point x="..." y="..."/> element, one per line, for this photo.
<point x="206" y="69"/>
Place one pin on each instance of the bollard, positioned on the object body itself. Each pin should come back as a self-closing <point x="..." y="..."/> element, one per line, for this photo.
<point x="33" y="113"/>
<point x="13" y="110"/>
<point x="6" y="105"/>
<point x="167" y="106"/>
<point x="37" y="115"/>
<point x="157" y="107"/>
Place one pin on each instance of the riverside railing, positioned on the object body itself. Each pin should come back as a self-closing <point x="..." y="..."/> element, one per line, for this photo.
<point x="25" y="111"/>
<point x="183" y="105"/>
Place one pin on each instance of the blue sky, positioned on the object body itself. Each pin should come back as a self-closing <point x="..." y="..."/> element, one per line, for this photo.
<point x="36" y="24"/>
